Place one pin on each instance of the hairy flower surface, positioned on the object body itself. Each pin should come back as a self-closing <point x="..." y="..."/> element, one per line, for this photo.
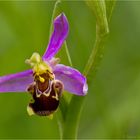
<point x="47" y="79"/>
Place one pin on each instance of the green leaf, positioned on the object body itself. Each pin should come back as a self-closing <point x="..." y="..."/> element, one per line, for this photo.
<point x="72" y="119"/>
<point x="99" y="9"/>
<point x="109" y="8"/>
<point x="103" y="11"/>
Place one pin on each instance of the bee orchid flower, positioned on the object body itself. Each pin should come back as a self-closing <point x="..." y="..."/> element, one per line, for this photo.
<point x="47" y="79"/>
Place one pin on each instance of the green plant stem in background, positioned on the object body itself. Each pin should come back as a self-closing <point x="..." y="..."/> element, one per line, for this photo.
<point x="55" y="10"/>
<point x="71" y="124"/>
<point x="109" y="8"/>
<point x="102" y="10"/>
<point x="68" y="54"/>
<point x="99" y="9"/>
<point x="75" y="107"/>
<point x="95" y="56"/>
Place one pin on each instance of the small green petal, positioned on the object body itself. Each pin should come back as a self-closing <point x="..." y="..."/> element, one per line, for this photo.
<point x="30" y="111"/>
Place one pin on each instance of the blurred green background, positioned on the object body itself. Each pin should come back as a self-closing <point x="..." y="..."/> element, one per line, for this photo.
<point x="112" y="106"/>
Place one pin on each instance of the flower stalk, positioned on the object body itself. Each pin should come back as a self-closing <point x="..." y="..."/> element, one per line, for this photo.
<point x="76" y="104"/>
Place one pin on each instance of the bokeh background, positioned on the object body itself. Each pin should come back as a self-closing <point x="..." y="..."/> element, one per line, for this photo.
<point x="112" y="106"/>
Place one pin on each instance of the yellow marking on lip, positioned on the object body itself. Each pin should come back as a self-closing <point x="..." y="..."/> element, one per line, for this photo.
<point x="41" y="79"/>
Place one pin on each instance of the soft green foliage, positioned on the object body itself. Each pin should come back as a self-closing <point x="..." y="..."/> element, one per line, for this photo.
<point x="71" y="123"/>
<point x="111" y="108"/>
<point x="102" y="10"/>
<point x="109" y="8"/>
<point x="99" y="9"/>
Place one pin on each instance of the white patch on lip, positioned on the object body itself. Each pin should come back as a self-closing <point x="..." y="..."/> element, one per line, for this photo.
<point x="85" y="88"/>
<point x="67" y="72"/>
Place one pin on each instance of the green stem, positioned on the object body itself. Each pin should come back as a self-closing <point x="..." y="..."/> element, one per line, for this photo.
<point x="68" y="54"/>
<point x="96" y="53"/>
<point x="53" y="15"/>
<point x="71" y="124"/>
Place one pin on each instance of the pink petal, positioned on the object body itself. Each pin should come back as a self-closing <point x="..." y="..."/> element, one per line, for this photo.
<point x="72" y="79"/>
<point x="16" y="82"/>
<point x="59" y="35"/>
